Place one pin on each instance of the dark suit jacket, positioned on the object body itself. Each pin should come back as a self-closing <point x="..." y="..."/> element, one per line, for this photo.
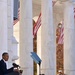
<point x="3" y="68"/>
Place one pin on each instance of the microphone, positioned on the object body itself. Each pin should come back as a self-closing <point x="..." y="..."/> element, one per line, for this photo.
<point x="15" y="65"/>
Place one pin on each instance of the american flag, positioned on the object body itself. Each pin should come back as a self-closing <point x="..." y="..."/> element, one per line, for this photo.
<point x="61" y="37"/>
<point x="37" y="25"/>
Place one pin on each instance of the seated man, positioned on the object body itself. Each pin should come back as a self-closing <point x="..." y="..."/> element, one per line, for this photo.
<point x="3" y="66"/>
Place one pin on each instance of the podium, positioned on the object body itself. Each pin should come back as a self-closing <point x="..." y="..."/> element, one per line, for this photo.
<point x="13" y="73"/>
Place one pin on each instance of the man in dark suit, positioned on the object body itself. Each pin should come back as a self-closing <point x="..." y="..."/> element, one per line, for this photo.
<point x="3" y="66"/>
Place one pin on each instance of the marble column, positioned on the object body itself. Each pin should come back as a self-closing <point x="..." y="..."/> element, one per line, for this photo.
<point x="26" y="37"/>
<point x="48" y="50"/>
<point x="69" y="39"/>
<point x="15" y="50"/>
<point x="3" y="26"/>
<point x="10" y="30"/>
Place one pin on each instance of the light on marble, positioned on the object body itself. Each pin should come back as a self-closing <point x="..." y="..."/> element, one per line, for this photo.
<point x="26" y="37"/>
<point x="48" y="51"/>
<point x="69" y="39"/>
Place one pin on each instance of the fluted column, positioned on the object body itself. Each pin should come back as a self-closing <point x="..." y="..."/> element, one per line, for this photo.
<point x="69" y="39"/>
<point x="3" y="26"/>
<point x="48" y="52"/>
<point x="26" y="36"/>
<point x="10" y="30"/>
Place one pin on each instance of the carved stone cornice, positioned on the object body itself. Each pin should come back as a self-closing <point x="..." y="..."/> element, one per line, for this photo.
<point x="66" y="0"/>
<point x="63" y="1"/>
